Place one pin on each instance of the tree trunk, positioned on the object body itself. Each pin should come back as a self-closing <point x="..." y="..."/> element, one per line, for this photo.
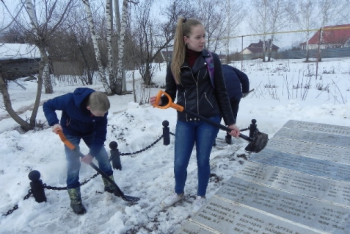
<point x="117" y="16"/>
<point x="270" y="48"/>
<point x="8" y="105"/>
<point x="46" y="71"/>
<point x="264" y="49"/>
<point x="42" y="66"/>
<point x="109" y="42"/>
<point x="120" y="68"/>
<point x="307" y="56"/>
<point x="96" y="48"/>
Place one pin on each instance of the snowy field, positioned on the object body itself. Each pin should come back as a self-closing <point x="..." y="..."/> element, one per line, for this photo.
<point x="284" y="90"/>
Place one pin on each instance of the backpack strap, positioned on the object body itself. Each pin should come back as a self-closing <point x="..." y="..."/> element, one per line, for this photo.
<point x="210" y="66"/>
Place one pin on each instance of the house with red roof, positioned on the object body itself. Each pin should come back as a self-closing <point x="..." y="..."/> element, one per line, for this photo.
<point x="337" y="36"/>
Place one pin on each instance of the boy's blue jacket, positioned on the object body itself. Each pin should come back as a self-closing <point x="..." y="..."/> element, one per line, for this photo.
<point x="76" y="119"/>
<point x="236" y="81"/>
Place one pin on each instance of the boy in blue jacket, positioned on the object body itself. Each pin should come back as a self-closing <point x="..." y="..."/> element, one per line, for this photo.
<point x="237" y="86"/>
<point x="84" y="116"/>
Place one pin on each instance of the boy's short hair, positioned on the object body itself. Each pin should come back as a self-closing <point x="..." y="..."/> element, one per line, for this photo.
<point x="98" y="101"/>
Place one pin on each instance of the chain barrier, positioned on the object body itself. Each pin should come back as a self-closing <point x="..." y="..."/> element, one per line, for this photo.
<point x="139" y="151"/>
<point x="16" y="206"/>
<point x="84" y="182"/>
<point x="65" y="188"/>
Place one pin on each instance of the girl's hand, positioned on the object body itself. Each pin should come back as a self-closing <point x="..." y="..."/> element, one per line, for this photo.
<point x="152" y="101"/>
<point x="235" y="130"/>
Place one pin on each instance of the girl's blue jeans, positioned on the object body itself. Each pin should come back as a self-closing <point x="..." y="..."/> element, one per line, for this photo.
<point x="187" y="135"/>
<point x="73" y="160"/>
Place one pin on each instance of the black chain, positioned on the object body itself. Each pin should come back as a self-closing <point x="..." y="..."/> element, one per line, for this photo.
<point x="85" y="182"/>
<point x="65" y="188"/>
<point x="139" y="151"/>
<point x="16" y="206"/>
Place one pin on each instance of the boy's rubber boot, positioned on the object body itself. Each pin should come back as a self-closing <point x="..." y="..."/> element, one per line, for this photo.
<point x="110" y="187"/>
<point x="75" y="201"/>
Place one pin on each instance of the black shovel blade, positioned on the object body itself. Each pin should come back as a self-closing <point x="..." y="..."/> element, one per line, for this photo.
<point x="130" y="198"/>
<point x="259" y="142"/>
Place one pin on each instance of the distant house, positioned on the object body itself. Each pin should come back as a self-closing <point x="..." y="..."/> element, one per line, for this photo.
<point x="255" y="48"/>
<point x="18" y="60"/>
<point x="166" y="55"/>
<point x="222" y="57"/>
<point x="337" y="36"/>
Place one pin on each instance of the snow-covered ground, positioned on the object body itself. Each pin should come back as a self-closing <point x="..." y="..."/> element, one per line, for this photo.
<point x="284" y="90"/>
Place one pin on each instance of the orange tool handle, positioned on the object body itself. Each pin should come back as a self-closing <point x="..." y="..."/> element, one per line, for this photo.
<point x="65" y="140"/>
<point x="170" y="103"/>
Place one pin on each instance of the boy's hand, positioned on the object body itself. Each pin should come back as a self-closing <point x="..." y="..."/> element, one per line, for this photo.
<point x="87" y="159"/>
<point x="56" y="128"/>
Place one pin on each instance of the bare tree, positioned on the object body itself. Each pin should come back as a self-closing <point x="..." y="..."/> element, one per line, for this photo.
<point x="39" y="33"/>
<point x="260" y="21"/>
<point x="4" y="23"/>
<point x="8" y="106"/>
<point x="329" y="11"/>
<point x="235" y="13"/>
<point x="280" y="12"/>
<point x="306" y="20"/>
<point x="3" y="84"/>
<point x="117" y="16"/>
<point x="96" y="48"/>
<point x="109" y="23"/>
<point x="121" y="41"/>
<point x="42" y="29"/>
<point x="153" y="35"/>
<point x="210" y="13"/>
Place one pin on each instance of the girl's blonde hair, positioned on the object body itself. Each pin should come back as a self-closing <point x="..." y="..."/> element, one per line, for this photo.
<point x="98" y="101"/>
<point x="183" y="28"/>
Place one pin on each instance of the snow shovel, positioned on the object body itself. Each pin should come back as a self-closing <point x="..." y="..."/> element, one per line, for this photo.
<point x="257" y="142"/>
<point x="119" y="191"/>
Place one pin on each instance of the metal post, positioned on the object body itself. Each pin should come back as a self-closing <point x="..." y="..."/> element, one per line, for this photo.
<point x="115" y="155"/>
<point x="37" y="186"/>
<point x="166" y="133"/>
<point x="252" y="128"/>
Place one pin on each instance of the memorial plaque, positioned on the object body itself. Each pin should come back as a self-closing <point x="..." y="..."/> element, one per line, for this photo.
<point x="318" y="127"/>
<point x="193" y="228"/>
<point x="227" y="217"/>
<point x="314" y="137"/>
<point x="300" y="209"/>
<point x="312" y="150"/>
<point x="299" y="184"/>
<point x="307" y="165"/>
<point x="294" y="182"/>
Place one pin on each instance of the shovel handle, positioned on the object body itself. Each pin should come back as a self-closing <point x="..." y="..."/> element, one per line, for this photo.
<point x="170" y="102"/>
<point x="65" y="140"/>
<point x="104" y="175"/>
<point x="182" y="109"/>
